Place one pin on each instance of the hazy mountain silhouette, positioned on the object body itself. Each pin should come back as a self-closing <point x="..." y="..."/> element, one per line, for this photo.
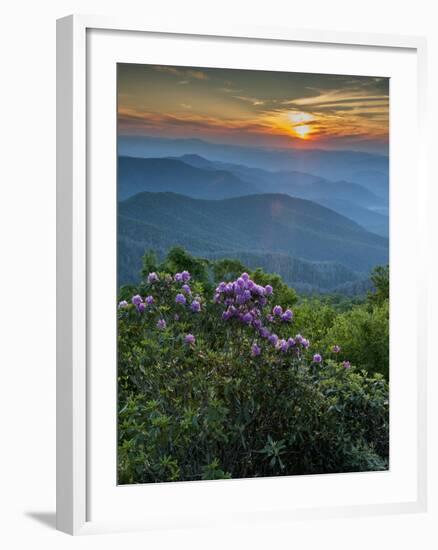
<point x="370" y="170"/>
<point x="257" y="224"/>
<point x="163" y="174"/>
<point x="197" y="177"/>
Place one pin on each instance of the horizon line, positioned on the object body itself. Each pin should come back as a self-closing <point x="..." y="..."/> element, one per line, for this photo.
<point x="251" y="147"/>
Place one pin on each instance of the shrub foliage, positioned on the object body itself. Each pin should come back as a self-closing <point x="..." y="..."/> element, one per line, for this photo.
<point x="216" y="382"/>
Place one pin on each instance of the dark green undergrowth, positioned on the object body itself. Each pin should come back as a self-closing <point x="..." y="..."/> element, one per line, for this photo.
<point x="206" y="396"/>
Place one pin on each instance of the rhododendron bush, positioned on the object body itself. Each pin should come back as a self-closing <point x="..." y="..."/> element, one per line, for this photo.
<point x="217" y="381"/>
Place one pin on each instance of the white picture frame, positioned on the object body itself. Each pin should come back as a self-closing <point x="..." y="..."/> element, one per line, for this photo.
<point x="75" y="217"/>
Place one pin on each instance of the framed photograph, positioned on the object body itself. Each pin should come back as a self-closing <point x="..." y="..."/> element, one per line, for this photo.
<point x="241" y="314"/>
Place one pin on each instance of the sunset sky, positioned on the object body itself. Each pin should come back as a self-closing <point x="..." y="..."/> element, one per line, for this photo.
<point x="257" y="108"/>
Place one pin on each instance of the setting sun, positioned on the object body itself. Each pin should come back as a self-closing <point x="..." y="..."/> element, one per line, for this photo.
<point x="302" y="131"/>
<point x="255" y="108"/>
<point x="301" y="127"/>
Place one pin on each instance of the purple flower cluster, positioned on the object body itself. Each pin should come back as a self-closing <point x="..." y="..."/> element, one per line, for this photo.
<point x="180" y="299"/>
<point x="184" y="297"/>
<point x="184" y="277"/>
<point x="273" y="339"/>
<point x="255" y="350"/>
<point x="278" y="311"/>
<point x="138" y="302"/>
<point x="186" y="292"/>
<point x="243" y="300"/>
<point x="287" y="316"/>
<point x="190" y="339"/>
<point x="153" y="278"/>
<point x="296" y="344"/>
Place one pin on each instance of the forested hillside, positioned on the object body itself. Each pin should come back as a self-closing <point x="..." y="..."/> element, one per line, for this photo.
<point x="304" y="242"/>
<point x="197" y="177"/>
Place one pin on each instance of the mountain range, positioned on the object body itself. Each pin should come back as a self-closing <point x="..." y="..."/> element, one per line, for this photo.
<point x="318" y="218"/>
<point x="166" y="174"/>
<point x="367" y="169"/>
<point x="272" y="230"/>
<point x="198" y="177"/>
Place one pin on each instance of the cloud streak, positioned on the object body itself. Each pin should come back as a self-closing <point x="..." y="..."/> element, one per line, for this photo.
<point x="189" y="73"/>
<point x="274" y="109"/>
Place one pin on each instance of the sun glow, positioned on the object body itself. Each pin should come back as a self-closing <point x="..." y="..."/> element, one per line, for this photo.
<point x="301" y="126"/>
<point x="302" y="131"/>
<point x="299" y="117"/>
